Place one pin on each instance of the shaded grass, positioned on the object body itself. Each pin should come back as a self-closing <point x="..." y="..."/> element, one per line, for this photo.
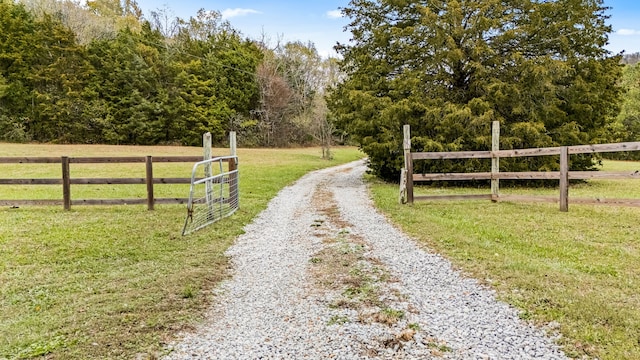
<point x="578" y="269"/>
<point x="119" y="282"/>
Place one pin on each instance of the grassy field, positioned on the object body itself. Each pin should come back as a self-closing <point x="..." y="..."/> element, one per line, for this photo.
<point x="118" y="281"/>
<point x="578" y="270"/>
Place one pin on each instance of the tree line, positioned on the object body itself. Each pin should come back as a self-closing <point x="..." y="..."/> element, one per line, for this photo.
<point x="631" y="59"/>
<point x="103" y="73"/>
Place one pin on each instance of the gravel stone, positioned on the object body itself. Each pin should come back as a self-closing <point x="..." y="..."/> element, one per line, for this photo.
<point x="271" y="308"/>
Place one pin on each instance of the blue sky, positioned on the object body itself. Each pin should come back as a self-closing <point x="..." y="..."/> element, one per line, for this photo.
<point x="625" y="19"/>
<point x="320" y="22"/>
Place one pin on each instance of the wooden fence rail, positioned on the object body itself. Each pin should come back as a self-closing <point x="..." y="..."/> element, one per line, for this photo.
<point x="66" y="181"/>
<point x="564" y="175"/>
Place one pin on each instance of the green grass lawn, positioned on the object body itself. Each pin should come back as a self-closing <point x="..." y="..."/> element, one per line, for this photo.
<point x="579" y="269"/>
<point x="119" y="281"/>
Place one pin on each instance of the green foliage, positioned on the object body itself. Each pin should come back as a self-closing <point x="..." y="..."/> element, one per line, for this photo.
<point x="44" y="73"/>
<point x="450" y="68"/>
<point x="129" y="88"/>
<point x="216" y="81"/>
<point x="100" y="73"/>
<point x="117" y="282"/>
<point x="57" y="78"/>
<point x="12" y="130"/>
<point x="546" y="263"/>
<point x="627" y="124"/>
<point x="135" y="87"/>
<point x="17" y="34"/>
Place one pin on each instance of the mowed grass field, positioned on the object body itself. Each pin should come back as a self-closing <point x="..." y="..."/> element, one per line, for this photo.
<point x="119" y="281"/>
<point x="578" y="271"/>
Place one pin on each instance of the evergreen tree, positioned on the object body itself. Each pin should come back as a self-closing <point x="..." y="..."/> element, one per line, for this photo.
<point x="44" y="71"/>
<point x="58" y="76"/>
<point x="215" y="77"/>
<point x="127" y="85"/>
<point x="18" y="31"/>
<point x="451" y="67"/>
<point x="627" y="124"/>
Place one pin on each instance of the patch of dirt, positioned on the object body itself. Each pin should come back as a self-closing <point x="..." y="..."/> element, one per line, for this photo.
<point x="343" y="267"/>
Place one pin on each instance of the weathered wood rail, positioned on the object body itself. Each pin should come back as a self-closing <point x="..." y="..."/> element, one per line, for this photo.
<point x="564" y="175"/>
<point x="66" y="180"/>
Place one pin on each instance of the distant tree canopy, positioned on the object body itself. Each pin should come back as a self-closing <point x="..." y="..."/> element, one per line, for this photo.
<point x="102" y="73"/>
<point x="451" y="67"/>
<point x="631" y="59"/>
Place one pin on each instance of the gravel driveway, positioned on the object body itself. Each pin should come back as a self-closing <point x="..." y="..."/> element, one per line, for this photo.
<point x="320" y="274"/>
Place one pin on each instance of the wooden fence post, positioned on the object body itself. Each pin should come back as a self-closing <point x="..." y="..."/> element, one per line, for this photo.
<point x="149" y="181"/>
<point x="233" y="165"/>
<point x="66" y="183"/>
<point x="233" y="143"/>
<point x="564" y="179"/>
<point x="495" y="161"/>
<point x="208" y="170"/>
<point x="408" y="162"/>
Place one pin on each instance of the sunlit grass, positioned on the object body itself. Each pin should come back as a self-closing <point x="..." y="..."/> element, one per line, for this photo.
<point x="579" y="269"/>
<point x="119" y="281"/>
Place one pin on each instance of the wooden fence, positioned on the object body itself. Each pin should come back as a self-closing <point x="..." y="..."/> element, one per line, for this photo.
<point x="564" y="175"/>
<point x="66" y="180"/>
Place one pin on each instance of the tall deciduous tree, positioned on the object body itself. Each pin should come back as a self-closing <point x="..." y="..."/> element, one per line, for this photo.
<point x="82" y="20"/>
<point x="123" y="13"/>
<point x="98" y="73"/>
<point x="451" y="67"/>
<point x="292" y="79"/>
<point x="288" y="79"/>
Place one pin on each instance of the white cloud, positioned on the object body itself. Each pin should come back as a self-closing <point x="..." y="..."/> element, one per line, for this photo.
<point x="230" y="13"/>
<point x="334" y="14"/>
<point x="628" y="32"/>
